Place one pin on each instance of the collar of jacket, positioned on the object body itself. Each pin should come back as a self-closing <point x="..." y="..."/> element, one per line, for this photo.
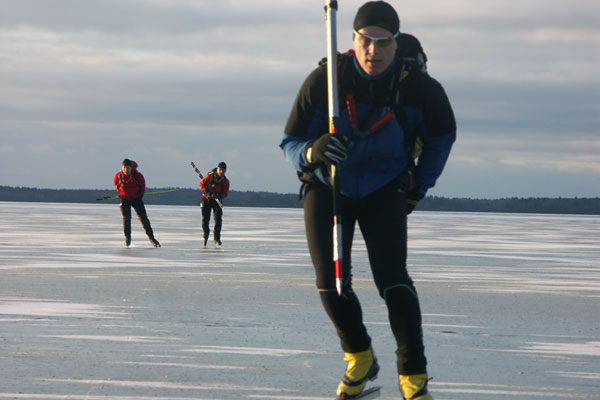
<point x="383" y="75"/>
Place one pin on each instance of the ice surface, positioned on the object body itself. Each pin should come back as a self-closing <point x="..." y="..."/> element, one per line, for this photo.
<point x="510" y="306"/>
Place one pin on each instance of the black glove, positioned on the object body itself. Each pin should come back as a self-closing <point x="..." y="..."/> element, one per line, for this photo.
<point x="412" y="199"/>
<point x="218" y="196"/>
<point x="330" y="149"/>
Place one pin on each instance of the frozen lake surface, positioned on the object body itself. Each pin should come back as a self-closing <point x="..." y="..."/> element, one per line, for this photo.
<point x="510" y="305"/>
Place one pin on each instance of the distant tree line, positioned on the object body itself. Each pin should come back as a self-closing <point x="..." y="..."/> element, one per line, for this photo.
<point x="181" y="197"/>
<point x="191" y="197"/>
<point x="535" y="205"/>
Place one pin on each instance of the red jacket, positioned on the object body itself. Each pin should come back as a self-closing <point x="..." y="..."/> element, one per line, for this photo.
<point x="132" y="186"/>
<point x="212" y="183"/>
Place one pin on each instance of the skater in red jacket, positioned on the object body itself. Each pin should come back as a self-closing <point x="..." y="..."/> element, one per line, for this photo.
<point x="215" y="187"/>
<point x="130" y="185"/>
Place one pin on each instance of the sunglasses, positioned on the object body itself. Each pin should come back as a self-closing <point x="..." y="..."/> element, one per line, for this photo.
<point x="384" y="41"/>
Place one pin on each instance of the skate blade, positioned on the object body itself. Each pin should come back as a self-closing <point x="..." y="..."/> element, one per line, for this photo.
<point x="367" y="394"/>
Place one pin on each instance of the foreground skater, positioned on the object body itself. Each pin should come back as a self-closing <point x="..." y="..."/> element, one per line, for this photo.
<point x="379" y="184"/>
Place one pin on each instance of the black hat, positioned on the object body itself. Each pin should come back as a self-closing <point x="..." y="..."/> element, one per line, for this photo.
<point x="127" y="162"/>
<point x="222" y="165"/>
<point x="377" y="13"/>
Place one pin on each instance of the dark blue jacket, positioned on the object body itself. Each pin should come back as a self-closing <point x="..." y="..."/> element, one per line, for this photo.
<point x="381" y="157"/>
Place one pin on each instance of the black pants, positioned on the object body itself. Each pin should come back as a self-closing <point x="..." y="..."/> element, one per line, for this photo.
<point x="381" y="218"/>
<point x="140" y="209"/>
<point x="209" y="205"/>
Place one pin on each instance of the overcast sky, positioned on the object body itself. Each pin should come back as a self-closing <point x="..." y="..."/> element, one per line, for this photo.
<point x="85" y="84"/>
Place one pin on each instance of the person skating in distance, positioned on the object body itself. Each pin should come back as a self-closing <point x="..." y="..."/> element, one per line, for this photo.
<point x="131" y="185"/>
<point x="215" y="188"/>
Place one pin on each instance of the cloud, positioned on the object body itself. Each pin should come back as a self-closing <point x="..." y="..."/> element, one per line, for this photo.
<point x="168" y="82"/>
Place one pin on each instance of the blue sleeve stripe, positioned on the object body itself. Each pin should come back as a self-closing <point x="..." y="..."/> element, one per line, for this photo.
<point x="293" y="149"/>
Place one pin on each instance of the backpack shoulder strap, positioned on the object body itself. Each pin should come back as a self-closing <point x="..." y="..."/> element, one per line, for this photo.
<point x="120" y="180"/>
<point x="345" y="76"/>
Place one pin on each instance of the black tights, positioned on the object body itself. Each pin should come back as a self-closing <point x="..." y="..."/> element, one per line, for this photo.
<point x="140" y="209"/>
<point x="207" y="207"/>
<point x="381" y="218"/>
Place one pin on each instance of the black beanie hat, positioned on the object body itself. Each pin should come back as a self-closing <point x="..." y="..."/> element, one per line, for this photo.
<point x="222" y="165"/>
<point x="127" y="162"/>
<point x="377" y="13"/>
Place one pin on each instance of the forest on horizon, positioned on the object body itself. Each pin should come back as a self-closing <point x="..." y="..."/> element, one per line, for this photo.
<point x="191" y="197"/>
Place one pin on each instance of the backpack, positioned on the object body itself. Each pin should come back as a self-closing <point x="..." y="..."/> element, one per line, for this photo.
<point x="121" y="181"/>
<point x="213" y="177"/>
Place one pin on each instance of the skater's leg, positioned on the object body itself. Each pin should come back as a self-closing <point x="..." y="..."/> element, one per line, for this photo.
<point x="140" y="210"/>
<point x="206" y="209"/>
<point x="383" y="224"/>
<point x="218" y="215"/>
<point x="344" y="310"/>
<point x="126" y="213"/>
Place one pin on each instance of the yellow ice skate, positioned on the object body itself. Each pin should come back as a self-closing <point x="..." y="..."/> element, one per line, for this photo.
<point x="362" y="367"/>
<point x="414" y="387"/>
